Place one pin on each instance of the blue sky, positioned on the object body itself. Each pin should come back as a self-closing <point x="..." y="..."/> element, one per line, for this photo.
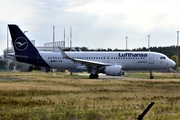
<point x="95" y="23"/>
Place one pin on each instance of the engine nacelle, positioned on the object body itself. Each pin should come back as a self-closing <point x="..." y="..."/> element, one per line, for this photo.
<point x="113" y="70"/>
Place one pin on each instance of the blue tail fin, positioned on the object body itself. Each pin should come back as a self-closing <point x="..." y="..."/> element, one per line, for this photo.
<point x="25" y="51"/>
<point x="20" y="42"/>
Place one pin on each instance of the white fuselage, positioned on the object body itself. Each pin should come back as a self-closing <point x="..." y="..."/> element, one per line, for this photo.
<point x="128" y="60"/>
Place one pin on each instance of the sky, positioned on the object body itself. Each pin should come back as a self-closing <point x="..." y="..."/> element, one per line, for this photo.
<point x="95" y="23"/>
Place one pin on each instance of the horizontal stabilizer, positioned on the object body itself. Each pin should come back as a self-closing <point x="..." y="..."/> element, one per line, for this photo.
<point x="17" y="56"/>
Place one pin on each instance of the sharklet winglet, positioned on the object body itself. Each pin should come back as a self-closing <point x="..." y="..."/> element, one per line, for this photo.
<point x="64" y="54"/>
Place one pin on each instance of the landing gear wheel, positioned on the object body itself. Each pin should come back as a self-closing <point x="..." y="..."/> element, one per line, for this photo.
<point x="151" y="77"/>
<point x="93" y="76"/>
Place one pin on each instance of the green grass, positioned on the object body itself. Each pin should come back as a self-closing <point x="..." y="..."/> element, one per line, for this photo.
<point x="38" y="95"/>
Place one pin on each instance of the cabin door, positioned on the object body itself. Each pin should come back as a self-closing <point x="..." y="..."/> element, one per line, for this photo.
<point x="151" y="59"/>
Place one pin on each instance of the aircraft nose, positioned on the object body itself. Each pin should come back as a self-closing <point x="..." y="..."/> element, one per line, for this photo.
<point x="172" y="63"/>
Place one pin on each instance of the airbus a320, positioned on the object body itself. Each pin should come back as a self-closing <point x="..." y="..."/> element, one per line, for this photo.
<point x="109" y="63"/>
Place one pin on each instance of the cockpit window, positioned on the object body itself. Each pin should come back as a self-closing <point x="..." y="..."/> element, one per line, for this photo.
<point x="162" y="57"/>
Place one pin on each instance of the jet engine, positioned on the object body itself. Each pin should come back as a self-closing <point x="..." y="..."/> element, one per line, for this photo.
<point x="113" y="70"/>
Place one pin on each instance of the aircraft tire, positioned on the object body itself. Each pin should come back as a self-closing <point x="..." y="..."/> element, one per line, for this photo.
<point x="93" y="76"/>
<point x="96" y="76"/>
<point x="151" y="77"/>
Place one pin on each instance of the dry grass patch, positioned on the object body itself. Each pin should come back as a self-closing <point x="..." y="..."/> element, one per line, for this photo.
<point x="40" y="95"/>
<point x="34" y="86"/>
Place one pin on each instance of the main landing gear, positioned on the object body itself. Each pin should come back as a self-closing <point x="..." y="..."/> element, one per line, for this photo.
<point x="94" y="76"/>
<point x="151" y="76"/>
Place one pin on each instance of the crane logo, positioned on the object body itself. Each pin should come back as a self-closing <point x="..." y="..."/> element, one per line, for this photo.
<point x="21" y="43"/>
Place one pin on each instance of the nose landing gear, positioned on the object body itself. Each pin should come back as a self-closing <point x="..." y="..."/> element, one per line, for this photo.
<point x="151" y="76"/>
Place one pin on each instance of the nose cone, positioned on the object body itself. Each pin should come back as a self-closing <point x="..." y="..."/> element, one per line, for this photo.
<point x="172" y="63"/>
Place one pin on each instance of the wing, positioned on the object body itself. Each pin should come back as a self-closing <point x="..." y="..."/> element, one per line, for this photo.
<point x="83" y="62"/>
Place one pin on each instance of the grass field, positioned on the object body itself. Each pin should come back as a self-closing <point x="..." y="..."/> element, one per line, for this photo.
<point x="60" y="96"/>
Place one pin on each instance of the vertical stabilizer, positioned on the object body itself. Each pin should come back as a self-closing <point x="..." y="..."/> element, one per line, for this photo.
<point x="25" y="51"/>
<point x="20" y="42"/>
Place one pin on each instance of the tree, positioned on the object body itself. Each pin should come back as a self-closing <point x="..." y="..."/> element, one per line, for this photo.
<point x="175" y="59"/>
<point x="34" y="67"/>
<point x="11" y="65"/>
<point x="109" y="49"/>
<point x="31" y="68"/>
<point x="19" y="66"/>
<point x="3" y="65"/>
<point x="84" y="49"/>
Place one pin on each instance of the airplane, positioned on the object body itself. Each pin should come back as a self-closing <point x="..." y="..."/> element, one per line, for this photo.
<point x="109" y="63"/>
